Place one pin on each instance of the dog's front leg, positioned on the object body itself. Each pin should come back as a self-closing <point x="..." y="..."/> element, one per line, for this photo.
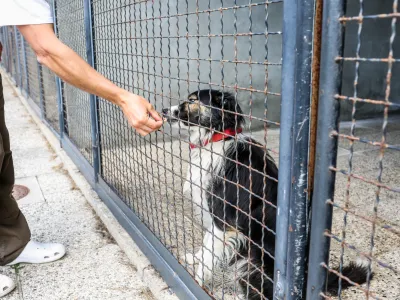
<point x="210" y="255"/>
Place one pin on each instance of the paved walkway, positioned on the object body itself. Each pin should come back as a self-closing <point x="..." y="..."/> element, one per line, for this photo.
<point x="94" y="267"/>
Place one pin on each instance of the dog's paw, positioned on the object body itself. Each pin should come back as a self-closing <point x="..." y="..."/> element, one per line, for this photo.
<point x="203" y="275"/>
<point x="189" y="259"/>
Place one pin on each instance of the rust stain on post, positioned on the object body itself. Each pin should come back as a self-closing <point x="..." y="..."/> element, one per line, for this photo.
<point x="314" y="91"/>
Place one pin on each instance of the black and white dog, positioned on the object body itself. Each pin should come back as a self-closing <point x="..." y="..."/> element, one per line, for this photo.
<point x="232" y="182"/>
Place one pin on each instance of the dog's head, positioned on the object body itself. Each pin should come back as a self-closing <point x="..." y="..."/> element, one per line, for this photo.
<point x="208" y="109"/>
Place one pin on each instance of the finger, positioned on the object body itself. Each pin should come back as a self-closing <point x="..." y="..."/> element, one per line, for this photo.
<point x="141" y="132"/>
<point x="154" y="114"/>
<point x="147" y="129"/>
<point x="151" y="123"/>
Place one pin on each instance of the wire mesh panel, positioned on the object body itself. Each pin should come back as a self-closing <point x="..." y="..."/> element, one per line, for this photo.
<point x="21" y="60"/>
<point x="365" y="233"/>
<point x="220" y="62"/>
<point x="33" y="86"/>
<point x="71" y="30"/>
<point x="12" y="51"/>
<point x="49" y="89"/>
<point x="4" y="58"/>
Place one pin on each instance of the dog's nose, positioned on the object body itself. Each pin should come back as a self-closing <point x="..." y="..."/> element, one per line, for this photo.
<point x="165" y="111"/>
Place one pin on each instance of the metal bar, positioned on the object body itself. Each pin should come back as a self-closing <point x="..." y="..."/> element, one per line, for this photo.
<point x="315" y="73"/>
<point x="41" y="96"/>
<point x="12" y="55"/>
<point x="9" y="54"/>
<point x="326" y="150"/>
<point x="93" y="99"/>
<point x="6" y="48"/>
<point x="285" y="150"/>
<point x="3" y="60"/>
<point x="60" y="105"/>
<point x="27" y="88"/>
<point x="19" y="82"/>
<point x="299" y="197"/>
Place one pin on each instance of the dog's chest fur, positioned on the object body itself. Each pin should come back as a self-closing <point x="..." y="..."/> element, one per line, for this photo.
<point x="205" y="164"/>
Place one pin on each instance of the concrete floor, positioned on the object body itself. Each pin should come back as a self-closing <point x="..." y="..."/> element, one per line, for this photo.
<point x="94" y="266"/>
<point x="360" y="197"/>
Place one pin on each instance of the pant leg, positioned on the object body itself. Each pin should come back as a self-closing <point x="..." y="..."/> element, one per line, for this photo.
<point x="14" y="230"/>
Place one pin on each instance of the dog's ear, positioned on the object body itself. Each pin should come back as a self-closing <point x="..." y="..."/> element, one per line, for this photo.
<point x="227" y="101"/>
<point x="220" y="99"/>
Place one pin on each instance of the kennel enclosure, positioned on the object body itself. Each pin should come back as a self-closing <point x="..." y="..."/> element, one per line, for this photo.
<point x="317" y="84"/>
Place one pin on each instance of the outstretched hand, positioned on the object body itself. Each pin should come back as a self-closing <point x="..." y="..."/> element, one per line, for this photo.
<point x="140" y="114"/>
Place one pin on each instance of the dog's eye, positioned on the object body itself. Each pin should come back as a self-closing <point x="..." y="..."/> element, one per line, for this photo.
<point x="191" y="100"/>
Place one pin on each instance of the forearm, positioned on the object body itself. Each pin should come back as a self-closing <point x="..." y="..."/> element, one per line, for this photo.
<point x="74" y="70"/>
<point x="63" y="61"/>
<point x="59" y="58"/>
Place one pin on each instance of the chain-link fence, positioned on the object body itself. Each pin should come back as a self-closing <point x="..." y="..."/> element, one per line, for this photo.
<point x="246" y="86"/>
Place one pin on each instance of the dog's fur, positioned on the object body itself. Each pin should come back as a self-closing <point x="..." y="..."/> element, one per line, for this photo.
<point x="233" y="200"/>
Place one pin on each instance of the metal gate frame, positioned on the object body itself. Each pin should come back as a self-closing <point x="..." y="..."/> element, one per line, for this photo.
<point x="300" y="78"/>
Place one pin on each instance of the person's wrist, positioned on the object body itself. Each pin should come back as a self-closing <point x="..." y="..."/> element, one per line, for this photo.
<point x="122" y="97"/>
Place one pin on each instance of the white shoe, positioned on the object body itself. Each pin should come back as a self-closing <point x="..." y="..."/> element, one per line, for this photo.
<point x="39" y="253"/>
<point x="6" y="285"/>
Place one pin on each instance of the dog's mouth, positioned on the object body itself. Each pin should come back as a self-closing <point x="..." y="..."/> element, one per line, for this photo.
<point x="167" y="116"/>
<point x="170" y="116"/>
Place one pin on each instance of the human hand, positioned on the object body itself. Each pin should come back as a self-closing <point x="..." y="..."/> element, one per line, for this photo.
<point x="140" y="114"/>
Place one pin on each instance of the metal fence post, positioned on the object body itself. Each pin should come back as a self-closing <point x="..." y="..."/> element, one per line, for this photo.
<point x="19" y="81"/>
<point x="93" y="99"/>
<point x="326" y="149"/>
<point x="285" y="149"/>
<point x="293" y="197"/>
<point x="27" y="88"/>
<point x="8" y="52"/>
<point x="299" y="196"/>
<point x="41" y="97"/>
<point x="4" y="56"/>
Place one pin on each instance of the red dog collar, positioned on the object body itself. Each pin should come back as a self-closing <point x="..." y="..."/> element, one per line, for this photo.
<point x="216" y="137"/>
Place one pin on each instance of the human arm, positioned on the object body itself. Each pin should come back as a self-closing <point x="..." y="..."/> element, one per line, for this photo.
<point x="63" y="61"/>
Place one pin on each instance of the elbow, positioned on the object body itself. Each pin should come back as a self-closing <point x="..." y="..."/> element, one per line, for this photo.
<point x="42" y="55"/>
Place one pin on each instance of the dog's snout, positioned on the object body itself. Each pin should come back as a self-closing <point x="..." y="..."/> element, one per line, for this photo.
<point x="171" y="113"/>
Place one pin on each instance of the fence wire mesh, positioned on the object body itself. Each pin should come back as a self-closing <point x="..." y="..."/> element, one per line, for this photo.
<point x="20" y="61"/>
<point x="165" y="51"/>
<point x="13" y="52"/>
<point x="49" y="90"/>
<point x="366" y="225"/>
<point x="33" y="87"/>
<point x="71" y="30"/>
